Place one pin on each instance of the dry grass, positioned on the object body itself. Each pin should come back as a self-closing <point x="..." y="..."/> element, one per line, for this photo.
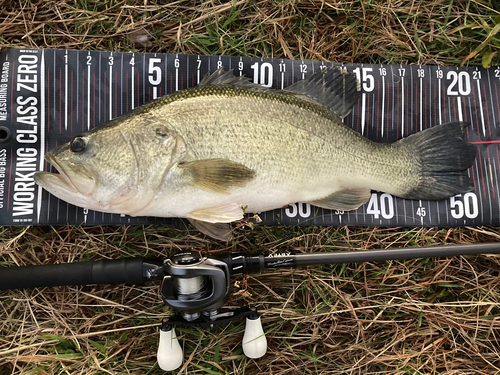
<point x="426" y="32"/>
<point x="426" y="316"/>
<point x="419" y="316"/>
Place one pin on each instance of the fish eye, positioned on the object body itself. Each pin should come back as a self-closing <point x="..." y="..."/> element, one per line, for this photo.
<point x="78" y="144"/>
<point x="161" y="133"/>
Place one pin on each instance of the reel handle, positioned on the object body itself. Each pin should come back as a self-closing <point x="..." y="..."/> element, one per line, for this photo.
<point x="254" y="340"/>
<point x="169" y="352"/>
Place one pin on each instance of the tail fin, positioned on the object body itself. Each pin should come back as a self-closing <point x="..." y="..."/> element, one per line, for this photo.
<point x="444" y="157"/>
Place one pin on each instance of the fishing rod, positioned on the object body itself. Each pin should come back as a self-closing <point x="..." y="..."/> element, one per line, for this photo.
<point x="197" y="285"/>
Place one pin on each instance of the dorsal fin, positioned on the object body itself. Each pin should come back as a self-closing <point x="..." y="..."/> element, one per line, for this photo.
<point x="334" y="87"/>
<point x="221" y="77"/>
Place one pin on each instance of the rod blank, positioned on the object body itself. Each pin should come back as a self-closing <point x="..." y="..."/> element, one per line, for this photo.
<point x="387" y="254"/>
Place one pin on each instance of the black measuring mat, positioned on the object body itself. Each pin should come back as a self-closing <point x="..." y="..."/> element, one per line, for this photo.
<point x="48" y="96"/>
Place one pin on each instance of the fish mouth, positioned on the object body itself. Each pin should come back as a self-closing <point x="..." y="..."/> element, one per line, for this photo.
<point x="58" y="179"/>
<point x="60" y="183"/>
<point x="60" y="174"/>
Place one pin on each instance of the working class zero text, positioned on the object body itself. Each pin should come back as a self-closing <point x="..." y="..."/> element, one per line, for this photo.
<point x="27" y="127"/>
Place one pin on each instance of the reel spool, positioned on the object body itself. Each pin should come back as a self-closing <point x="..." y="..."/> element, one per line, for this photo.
<point x="190" y="289"/>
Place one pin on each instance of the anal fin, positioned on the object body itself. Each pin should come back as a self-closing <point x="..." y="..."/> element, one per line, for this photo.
<point x="345" y="199"/>
<point x="223" y="213"/>
<point x="219" y="231"/>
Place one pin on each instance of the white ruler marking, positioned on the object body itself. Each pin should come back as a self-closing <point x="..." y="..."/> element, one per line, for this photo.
<point x="99" y="93"/>
<point x="66" y="91"/>
<point x="488" y="182"/>
<point x="491" y="99"/>
<point x="176" y="76"/>
<point x="187" y="73"/>
<point x="283" y="75"/>
<point x="491" y="182"/>
<point x="481" y="107"/>
<point x="459" y="106"/>
<point x="393" y="100"/>
<point x="402" y="105"/>
<point x="495" y="169"/>
<point x="383" y="104"/>
<point x="121" y="84"/>
<point x="133" y="83"/>
<point x="88" y="95"/>
<point x="429" y="94"/>
<point x="198" y="71"/>
<point x="77" y="89"/>
<point x="363" y="110"/>
<point x="421" y="214"/>
<point x="430" y="211"/>
<point x="421" y="102"/>
<point x="111" y="90"/>
<point x="439" y="101"/>
<point x="471" y="116"/>
<point x="143" y="81"/>
<point x="478" y="189"/>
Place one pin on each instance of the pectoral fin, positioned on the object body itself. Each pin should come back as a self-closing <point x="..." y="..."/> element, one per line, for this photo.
<point x="218" y="175"/>
<point x="219" y="231"/>
<point x="346" y="199"/>
<point x="223" y="213"/>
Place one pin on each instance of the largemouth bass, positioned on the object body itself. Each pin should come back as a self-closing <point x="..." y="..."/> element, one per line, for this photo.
<point x="228" y="146"/>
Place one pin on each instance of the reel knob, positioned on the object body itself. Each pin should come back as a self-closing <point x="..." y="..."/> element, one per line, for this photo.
<point x="254" y="340"/>
<point x="169" y="350"/>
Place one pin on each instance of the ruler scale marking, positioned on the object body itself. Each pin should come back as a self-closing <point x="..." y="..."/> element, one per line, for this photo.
<point x="111" y="88"/>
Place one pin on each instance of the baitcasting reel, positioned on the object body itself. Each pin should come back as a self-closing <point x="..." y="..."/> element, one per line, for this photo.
<point x="198" y="286"/>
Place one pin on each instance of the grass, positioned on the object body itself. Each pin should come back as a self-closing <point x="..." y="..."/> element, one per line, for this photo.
<point x="422" y="316"/>
<point x="417" y="316"/>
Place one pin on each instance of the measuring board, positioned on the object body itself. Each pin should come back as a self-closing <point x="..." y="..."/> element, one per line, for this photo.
<point x="49" y="96"/>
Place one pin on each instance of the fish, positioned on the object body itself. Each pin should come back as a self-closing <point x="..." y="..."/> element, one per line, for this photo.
<point x="227" y="147"/>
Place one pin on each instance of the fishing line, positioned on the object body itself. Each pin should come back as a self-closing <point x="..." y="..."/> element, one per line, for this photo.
<point x="191" y="288"/>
